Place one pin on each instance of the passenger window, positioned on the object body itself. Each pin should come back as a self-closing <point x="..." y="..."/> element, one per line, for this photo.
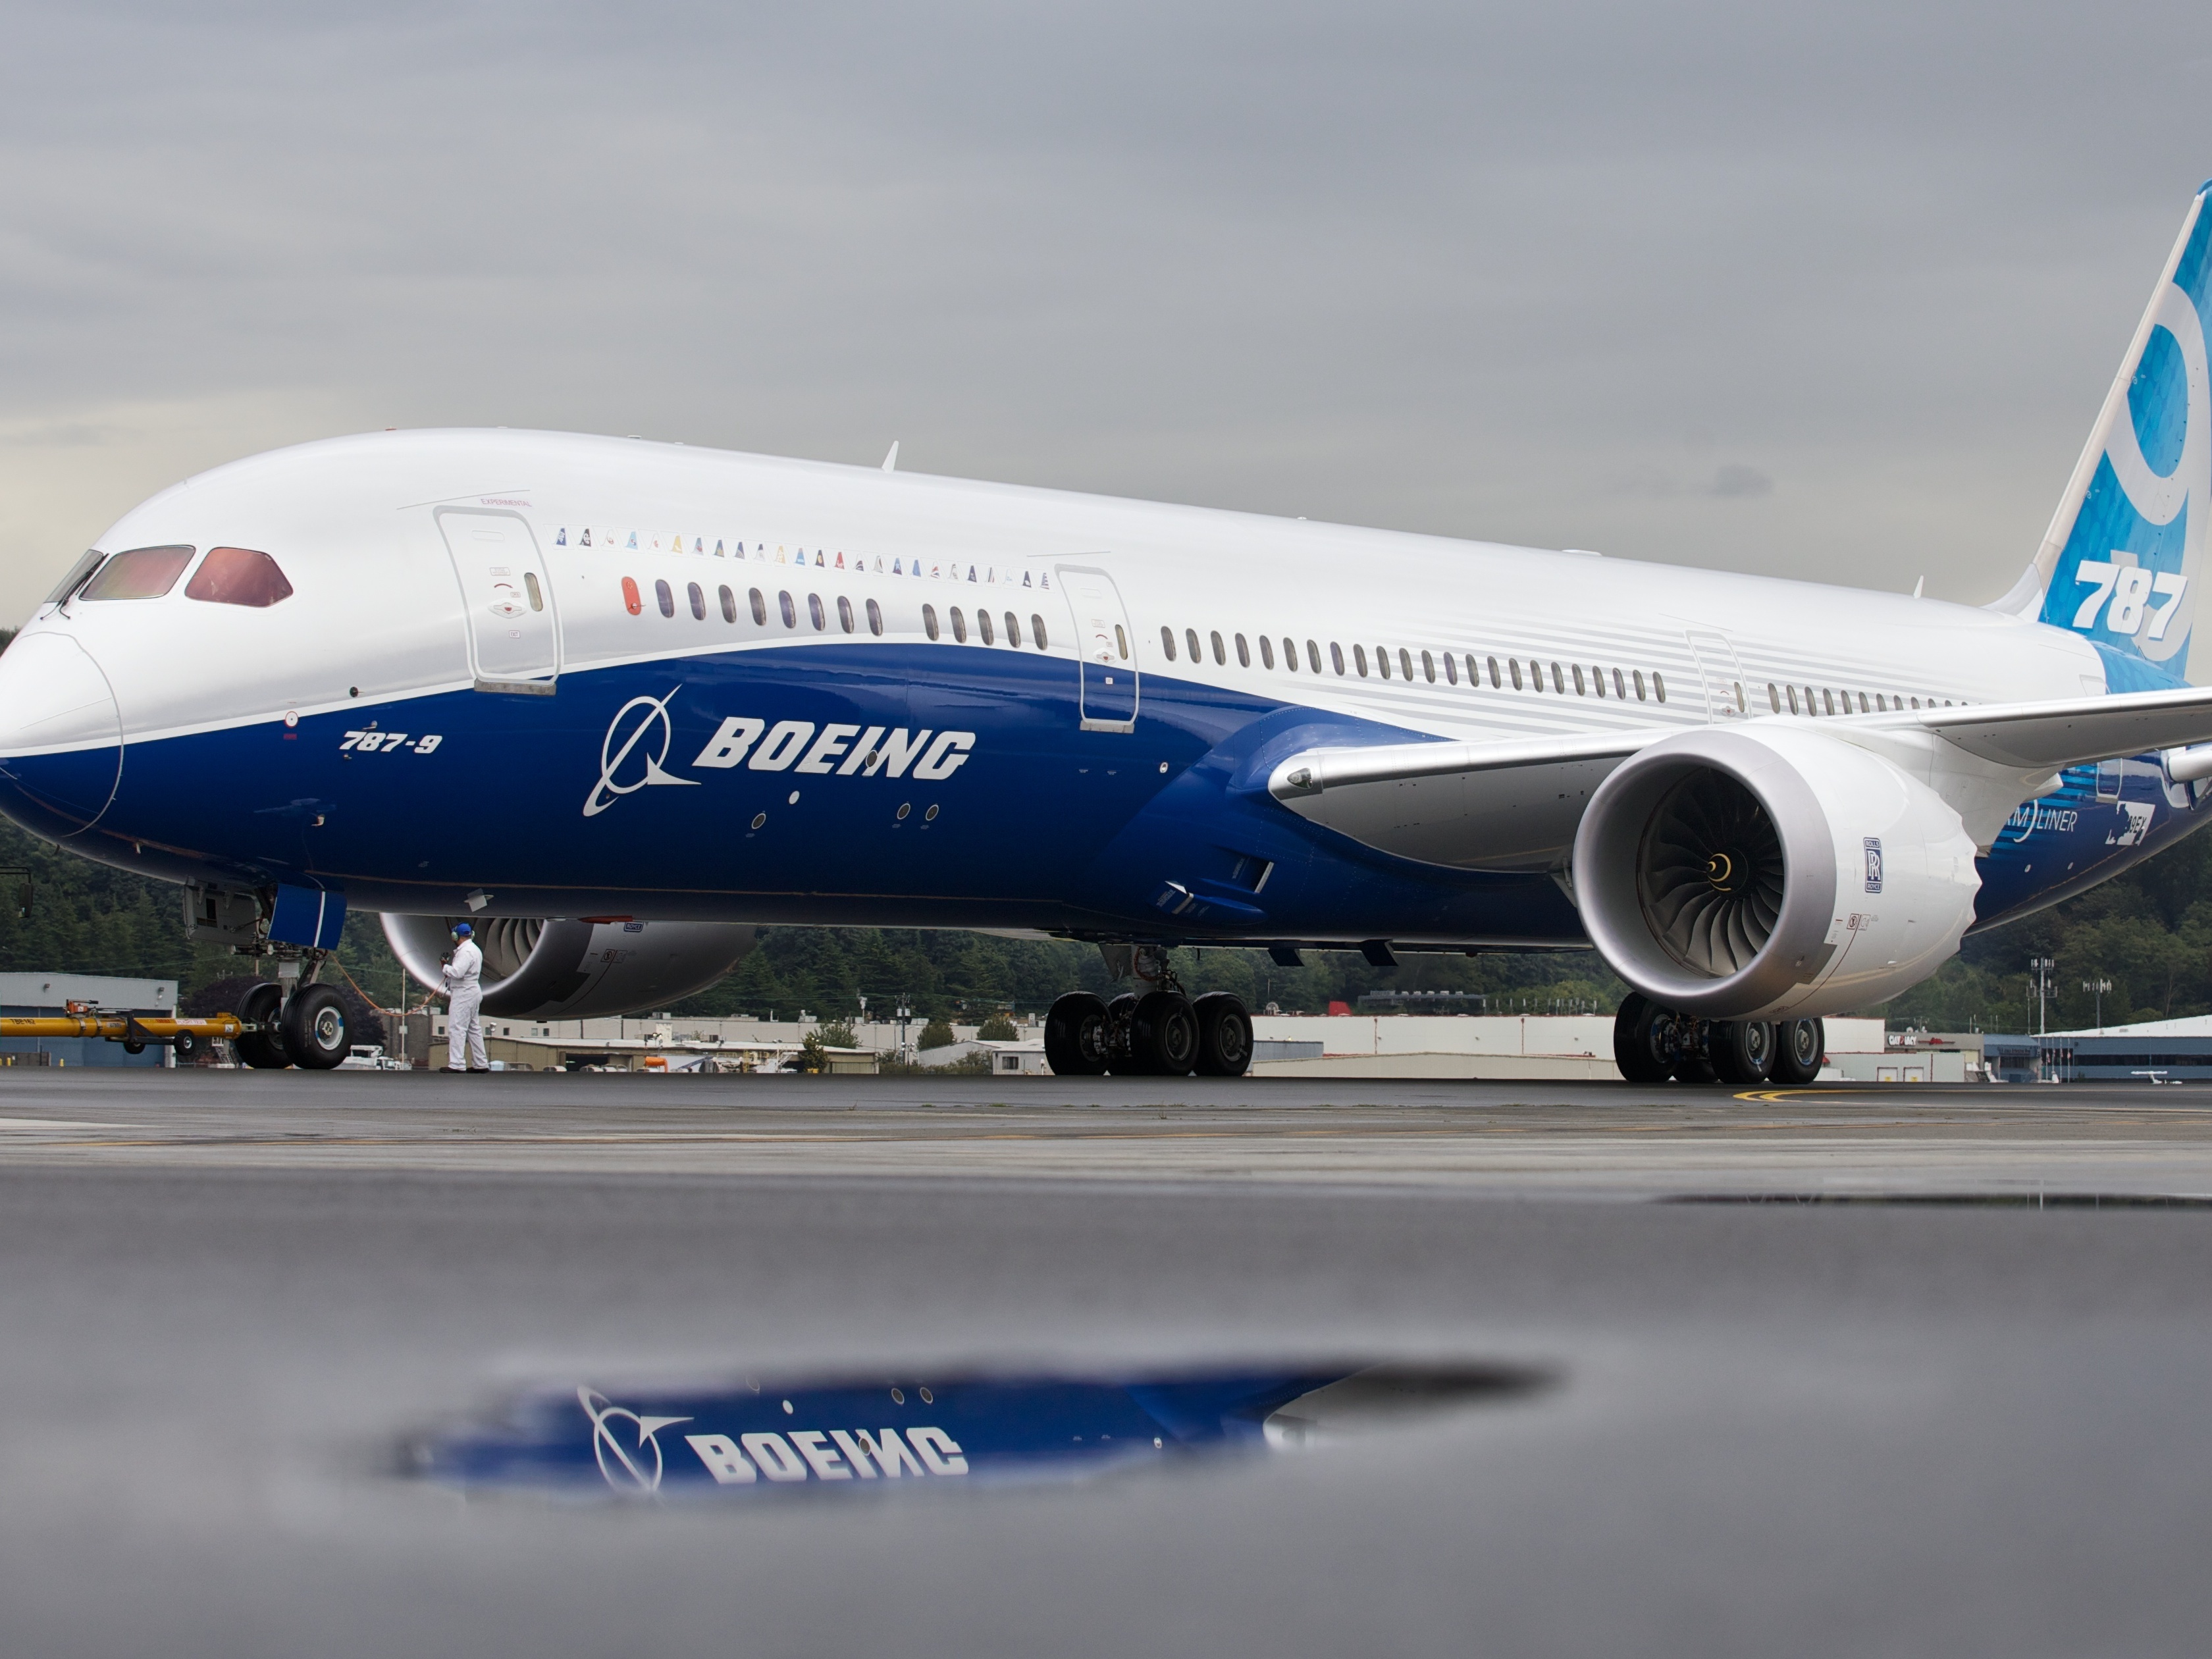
<point x="1382" y="660"/>
<point x="959" y="626"/>
<point x="1558" y="680"/>
<point x="729" y="604"/>
<point x="1743" y="708"/>
<point x="1428" y="668"/>
<point x="1037" y="632"/>
<point x="1515" y="665"/>
<point x="1451" y="667"/>
<point x="1167" y="641"/>
<point x="1495" y="683"/>
<point x="1120" y="642"/>
<point x="1359" y="660"/>
<point x="1243" y="652"/>
<point x="1619" y="686"/>
<point x="1828" y="699"/>
<point x="78" y="572"/>
<point x="1190" y="639"/>
<point x="698" y="598"/>
<point x="1313" y="657"/>
<point x="1335" y="655"/>
<point x="537" y="597"/>
<point x="1773" y="696"/>
<point x="844" y="613"/>
<point x="1658" y="686"/>
<point x="814" y="613"/>
<point x="929" y="620"/>
<point x="1013" y="631"/>
<point x="760" y="609"/>
<point x="1221" y="656"/>
<point x="1880" y="703"/>
<point x="631" y="602"/>
<point x="875" y="619"/>
<point x="144" y="572"/>
<point x="239" y="576"/>
<point x="1406" y="663"/>
<point x="666" y="595"/>
<point x="983" y="628"/>
<point x="1266" y="650"/>
<point x="790" y="610"/>
<point x="1637" y="676"/>
<point x="1863" y="710"/>
<point x="1916" y="702"/>
<point x="1793" y="699"/>
<point x="1580" y="691"/>
<point x="1291" y="656"/>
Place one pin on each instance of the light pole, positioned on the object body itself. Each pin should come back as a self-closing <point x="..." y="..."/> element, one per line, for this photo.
<point x="904" y="1014"/>
<point x="2043" y="965"/>
<point x="2099" y="985"/>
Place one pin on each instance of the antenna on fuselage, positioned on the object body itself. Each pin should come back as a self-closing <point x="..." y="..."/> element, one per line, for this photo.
<point x="1918" y="585"/>
<point x="891" y="461"/>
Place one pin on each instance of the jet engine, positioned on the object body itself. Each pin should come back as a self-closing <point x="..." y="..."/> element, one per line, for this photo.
<point x="559" y="969"/>
<point x="1738" y="873"/>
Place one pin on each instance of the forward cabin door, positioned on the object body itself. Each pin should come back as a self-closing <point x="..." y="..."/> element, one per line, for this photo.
<point x="514" y="643"/>
<point x="1106" y="692"/>
<point x="1726" y="697"/>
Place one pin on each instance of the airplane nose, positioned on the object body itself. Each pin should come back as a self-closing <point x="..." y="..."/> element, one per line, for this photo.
<point x="61" y="736"/>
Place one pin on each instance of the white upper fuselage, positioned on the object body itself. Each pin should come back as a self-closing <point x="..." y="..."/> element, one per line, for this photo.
<point x="378" y="614"/>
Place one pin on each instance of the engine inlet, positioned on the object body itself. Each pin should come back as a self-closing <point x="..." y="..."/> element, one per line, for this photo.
<point x="1709" y="874"/>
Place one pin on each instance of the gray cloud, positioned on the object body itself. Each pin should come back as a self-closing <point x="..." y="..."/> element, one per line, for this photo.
<point x="1408" y="265"/>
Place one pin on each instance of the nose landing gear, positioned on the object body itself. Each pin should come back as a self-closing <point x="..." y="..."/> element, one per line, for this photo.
<point x="1652" y="1044"/>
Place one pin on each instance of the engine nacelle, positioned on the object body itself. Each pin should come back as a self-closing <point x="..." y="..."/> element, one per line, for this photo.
<point x="1746" y="873"/>
<point x="568" y="970"/>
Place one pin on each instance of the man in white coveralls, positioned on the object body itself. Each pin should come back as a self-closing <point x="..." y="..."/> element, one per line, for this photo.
<point x="464" y="1003"/>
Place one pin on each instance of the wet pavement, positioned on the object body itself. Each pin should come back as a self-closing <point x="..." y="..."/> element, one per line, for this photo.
<point x="257" y="1328"/>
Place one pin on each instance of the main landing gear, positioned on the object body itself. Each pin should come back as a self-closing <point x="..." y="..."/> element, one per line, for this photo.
<point x="1160" y="1032"/>
<point x="1652" y="1044"/>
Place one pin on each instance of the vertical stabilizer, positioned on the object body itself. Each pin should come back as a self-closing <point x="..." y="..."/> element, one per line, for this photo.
<point x="2123" y="562"/>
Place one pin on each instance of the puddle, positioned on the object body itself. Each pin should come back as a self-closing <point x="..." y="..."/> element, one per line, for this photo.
<point x="761" y="1437"/>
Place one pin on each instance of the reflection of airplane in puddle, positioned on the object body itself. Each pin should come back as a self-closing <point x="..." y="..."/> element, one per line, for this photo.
<point x="763" y="1436"/>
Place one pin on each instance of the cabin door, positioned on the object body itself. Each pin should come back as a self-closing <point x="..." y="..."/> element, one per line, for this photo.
<point x="1726" y="698"/>
<point x="1106" y="688"/>
<point x="513" y="644"/>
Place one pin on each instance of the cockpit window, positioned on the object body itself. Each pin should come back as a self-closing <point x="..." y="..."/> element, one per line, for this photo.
<point x="78" y="572"/>
<point x="238" y="575"/>
<point x="144" y="573"/>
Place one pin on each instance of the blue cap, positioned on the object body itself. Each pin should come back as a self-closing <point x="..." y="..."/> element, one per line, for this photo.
<point x="463" y="929"/>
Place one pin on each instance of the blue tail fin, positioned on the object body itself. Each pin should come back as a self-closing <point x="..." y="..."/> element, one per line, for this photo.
<point x="2123" y="562"/>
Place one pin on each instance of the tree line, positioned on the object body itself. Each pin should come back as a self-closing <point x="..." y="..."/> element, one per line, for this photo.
<point x="2148" y="933"/>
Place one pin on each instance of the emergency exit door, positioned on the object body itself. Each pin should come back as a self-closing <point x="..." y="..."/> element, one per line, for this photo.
<point x="514" y="642"/>
<point x="1106" y="686"/>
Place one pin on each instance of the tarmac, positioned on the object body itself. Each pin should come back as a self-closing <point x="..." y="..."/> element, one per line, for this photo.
<point x="1839" y="1370"/>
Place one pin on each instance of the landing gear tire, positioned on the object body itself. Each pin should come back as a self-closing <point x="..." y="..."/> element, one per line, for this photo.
<point x="1742" y="1051"/>
<point x="1694" y="1063"/>
<point x="1644" y="1040"/>
<point x="314" y="1027"/>
<point x="187" y="1046"/>
<point x="1075" y="1035"/>
<point x="1799" y="1048"/>
<point x="1120" y="1060"/>
<point x="262" y="1050"/>
<point x="132" y="1046"/>
<point x="1224" y="1035"/>
<point x="1163" y="1035"/>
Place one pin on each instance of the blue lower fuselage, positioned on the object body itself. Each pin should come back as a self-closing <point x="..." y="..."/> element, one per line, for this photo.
<point x="1163" y="832"/>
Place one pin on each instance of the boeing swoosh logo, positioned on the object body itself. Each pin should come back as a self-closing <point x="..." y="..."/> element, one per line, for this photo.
<point x="651" y="713"/>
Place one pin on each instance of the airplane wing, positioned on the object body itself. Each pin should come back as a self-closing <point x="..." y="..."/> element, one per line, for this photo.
<point x="1507" y="805"/>
<point x="2046" y="736"/>
<point x="1514" y="805"/>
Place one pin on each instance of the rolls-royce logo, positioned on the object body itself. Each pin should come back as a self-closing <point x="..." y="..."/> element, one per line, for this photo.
<point x="1872" y="846"/>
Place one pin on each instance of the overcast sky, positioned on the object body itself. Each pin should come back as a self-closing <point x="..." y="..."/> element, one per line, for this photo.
<point x="1827" y="292"/>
